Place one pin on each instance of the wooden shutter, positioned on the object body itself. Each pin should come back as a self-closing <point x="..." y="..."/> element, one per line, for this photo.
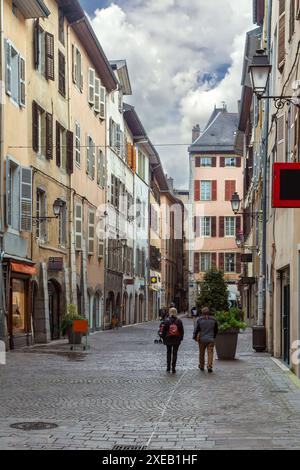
<point x="221" y="227"/>
<point x="74" y="63"/>
<point x="197" y="226"/>
<point x="91" y="95"/>
<point x="214" y="191"/>
<point x="58" y="150"/>
<point x="91" y="233"/>
<point x="221" y="261"/>
<point x="22" y="83"/>
<point x="8" y="71"/>
<point x="78" y="227"/>
<point x="281" y="123"/>
<point x="134" y="160"/>
<point x="238" y="263"/>
<point x="214" y="227"/>
<point x="93" y="162"/>
<point x="26" y="199"/>
<point x="197" y="190"/>
<point x="230" y="188"/>
<point x="129" y="154"/>
<point x="297" y="9"/>
<point x="296" y="136"/>
<point x="102" y="102"/>
<point x="36" y="44"/>
<point x="49" y="136"/>
<point x="8" y="183"/>
<point x="61" y="73"/>
<point x="214" y="260"/>
<point x="196" y="263"/>
<point x="238" y="224"/>
<point x="70" y="152"/>
<point x="292" y="19"/>
<point x="238" y="162"/>
<point x="281" y="35"/>
<point x="97" y="96"/>
<point x="49" y="47"/>
<point x="198" y="162"/>
<point x="222" y="162"/>
<point x="214" y="162"/>
<point x="35" y="126"/>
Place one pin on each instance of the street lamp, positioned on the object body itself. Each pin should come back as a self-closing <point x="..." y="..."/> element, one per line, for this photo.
<point x="236" y="205"/>
<point x="260" y="71"/>
<point x="57" y="207"/>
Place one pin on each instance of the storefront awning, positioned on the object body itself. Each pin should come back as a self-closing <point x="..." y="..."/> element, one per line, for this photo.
<point x="23" y="269"/>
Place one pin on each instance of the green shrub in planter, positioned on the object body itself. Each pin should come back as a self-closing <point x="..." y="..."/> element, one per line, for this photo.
<point x="231" y="320"/>
<point x="67" y="320"/>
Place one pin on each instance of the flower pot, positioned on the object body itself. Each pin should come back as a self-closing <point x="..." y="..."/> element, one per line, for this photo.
<point x="74" y="338"/>
<point x="226" y="344"/>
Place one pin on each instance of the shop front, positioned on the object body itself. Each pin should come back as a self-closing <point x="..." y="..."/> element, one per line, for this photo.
<point x="19" y="321"/>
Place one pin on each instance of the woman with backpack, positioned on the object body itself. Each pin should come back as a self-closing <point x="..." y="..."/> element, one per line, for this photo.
<point x="172" y="334"/>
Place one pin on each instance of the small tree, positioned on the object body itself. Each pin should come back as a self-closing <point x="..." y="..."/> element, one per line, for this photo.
<point x="214" y="293"/>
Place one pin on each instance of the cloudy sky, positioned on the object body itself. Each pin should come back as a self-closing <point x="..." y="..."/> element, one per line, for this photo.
<point x="184" y="57"/>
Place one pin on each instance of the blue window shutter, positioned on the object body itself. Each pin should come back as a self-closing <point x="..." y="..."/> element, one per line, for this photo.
<point x="8" y="194"/>
<point x="8" y="74"/>
<point x="26" y="199"/>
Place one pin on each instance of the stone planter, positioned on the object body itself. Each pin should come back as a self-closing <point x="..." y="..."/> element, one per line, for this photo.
<point x="226" y="344"/>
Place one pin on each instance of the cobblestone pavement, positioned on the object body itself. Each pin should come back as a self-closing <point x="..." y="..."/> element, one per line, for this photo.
<point x="119" y="393"/>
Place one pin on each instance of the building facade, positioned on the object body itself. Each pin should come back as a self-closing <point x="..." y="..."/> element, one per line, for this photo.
<point x="215" y="175"/>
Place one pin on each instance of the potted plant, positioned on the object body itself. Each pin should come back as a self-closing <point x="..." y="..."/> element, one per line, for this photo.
<point x="67" y="325"/>
<point x="230" y="323"/>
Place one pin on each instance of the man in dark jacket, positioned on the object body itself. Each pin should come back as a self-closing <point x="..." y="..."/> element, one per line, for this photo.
<point x="172" y="334"/>
<point x="205" y="332"/>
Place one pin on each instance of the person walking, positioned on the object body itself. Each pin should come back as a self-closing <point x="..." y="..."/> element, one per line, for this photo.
<point x="172" y="335"/>
<point x="205" y="332"/>
<point x="194" y="313"/>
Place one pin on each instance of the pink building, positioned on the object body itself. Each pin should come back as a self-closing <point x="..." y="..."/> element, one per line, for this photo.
<point x="216" y="174"/>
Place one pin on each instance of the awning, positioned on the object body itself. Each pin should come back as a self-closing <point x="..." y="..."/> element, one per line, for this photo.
<point x="23" y="269"/>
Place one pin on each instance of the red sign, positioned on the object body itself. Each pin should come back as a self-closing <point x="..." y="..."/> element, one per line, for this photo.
<point x="286" y="185"/>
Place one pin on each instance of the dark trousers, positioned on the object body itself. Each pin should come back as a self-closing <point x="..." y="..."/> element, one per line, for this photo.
<point x="172" y="351"/>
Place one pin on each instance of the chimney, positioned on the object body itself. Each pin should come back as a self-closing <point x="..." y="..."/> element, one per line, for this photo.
<point x="170" y="183"/>
<point x="196" y="133"/>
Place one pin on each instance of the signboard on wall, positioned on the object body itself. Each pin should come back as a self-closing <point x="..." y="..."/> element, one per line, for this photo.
<point x="286" y="185"/>
<point x="55" y="264"/>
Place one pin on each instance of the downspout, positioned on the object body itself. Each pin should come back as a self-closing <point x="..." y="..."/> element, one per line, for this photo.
<point x="2" y="84"/>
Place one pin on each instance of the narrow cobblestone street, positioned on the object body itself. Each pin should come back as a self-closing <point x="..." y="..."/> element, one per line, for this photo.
<point x="119" y="393"/>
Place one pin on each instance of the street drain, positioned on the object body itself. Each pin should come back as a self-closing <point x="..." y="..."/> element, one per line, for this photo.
<point x="33" y="426"/>
<point x="121" y="447"/>
<point x="280" y="391"/>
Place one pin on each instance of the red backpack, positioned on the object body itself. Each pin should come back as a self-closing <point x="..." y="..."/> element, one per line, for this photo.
<point x="174" y="330"/>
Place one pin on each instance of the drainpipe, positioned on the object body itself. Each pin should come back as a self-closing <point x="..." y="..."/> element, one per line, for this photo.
<point x="2" y="84"/>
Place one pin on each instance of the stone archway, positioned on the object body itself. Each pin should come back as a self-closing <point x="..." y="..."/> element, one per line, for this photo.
<point x="98" y="310"/>
<point x="124" y="308"/>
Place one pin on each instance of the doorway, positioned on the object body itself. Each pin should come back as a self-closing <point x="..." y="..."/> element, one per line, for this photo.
<point x="54" y="293"/>
<point x="285" y="316"/>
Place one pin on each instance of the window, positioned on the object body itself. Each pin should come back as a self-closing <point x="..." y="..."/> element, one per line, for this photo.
<point x="15" y="74"/>
<point x="61" y="26"/>
<point x="230" y="263"/>
<point x="78" y="227"/>
<point x="19" y="306"/>
<point x="18" y="196"/>
<point x="281" y="36"/>
<point x="61" y="74"/>
<point x="42" y="131"/>
<point x="61" y="146"/>
<point x="206" y="190"/>
<point x="100" y="237"/>
<point x="91" y="233"/>
<point x="205" y="262"/>
<point x="230" y="161"/>
<point x="41" y="211"/>
<point x="206" y="162"/>
<point x="205" y="223"/>
<point x="44" y="52"/>
<point x="141" y="165"/>
<point x="230" y="226"/>
<point x="63" y="225"/>
<point x="77" y="143"/>
<point x="77" y="68"/>
<point x="100" y="169"/>
<point x="90" y="158"/>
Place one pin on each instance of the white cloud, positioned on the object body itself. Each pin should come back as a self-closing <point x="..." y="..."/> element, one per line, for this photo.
<point x="171" y="46"/>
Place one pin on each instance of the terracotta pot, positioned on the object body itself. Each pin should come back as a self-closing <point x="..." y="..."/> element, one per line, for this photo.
<point x="226" y="344"/>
